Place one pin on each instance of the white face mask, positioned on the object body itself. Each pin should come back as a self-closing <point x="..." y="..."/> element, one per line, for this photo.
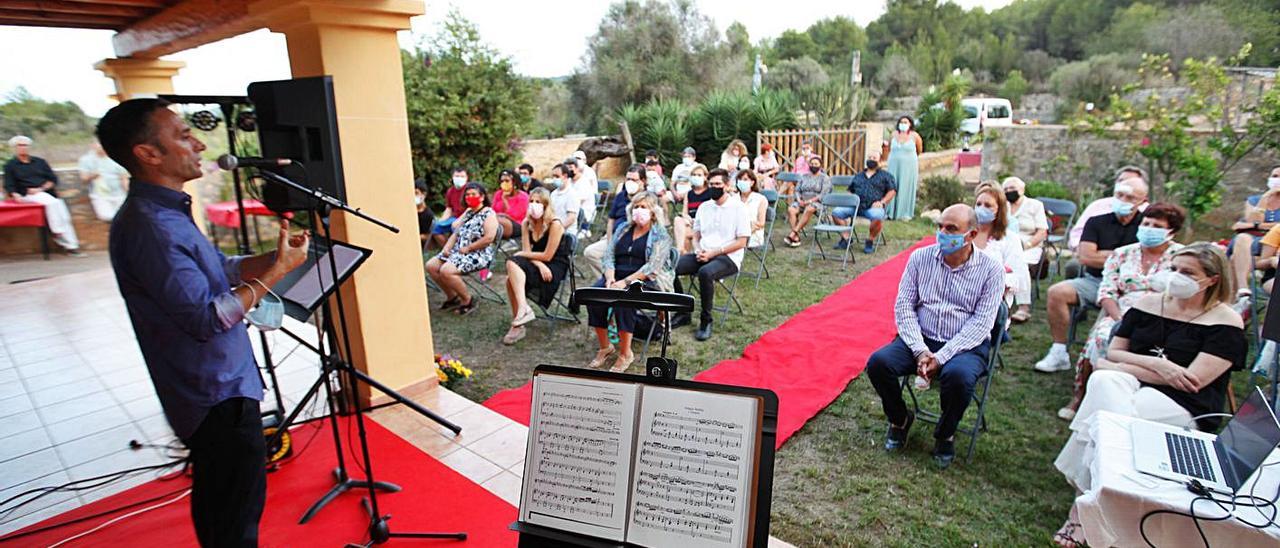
<point x="682" y="188"/>
<point x="697" y="180"/>
<point x="687" y="161"/>
<point x="1273" y="183"/>
<point x="459" y="181"/>
<point x="903" y="127"/>
<point x="417" y="200"/>
<point x="1175" y="284"/>
<point x="631" y="186"/>
<point x="536" y="209"/>
<point x="744" y="165"/>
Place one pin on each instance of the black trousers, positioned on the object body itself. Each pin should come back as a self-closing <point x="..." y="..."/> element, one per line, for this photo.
<point x="718" y="268"/>
<point x="229" y="474"/>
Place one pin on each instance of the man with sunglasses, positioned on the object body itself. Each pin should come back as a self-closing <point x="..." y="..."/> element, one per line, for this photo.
<point x="948" y="299"/>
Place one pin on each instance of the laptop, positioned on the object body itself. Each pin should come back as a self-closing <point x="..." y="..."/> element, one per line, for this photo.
<point x="1222" y="463"/>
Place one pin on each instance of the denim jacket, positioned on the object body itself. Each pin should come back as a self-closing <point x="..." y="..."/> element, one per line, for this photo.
<point x="658" y="266"/>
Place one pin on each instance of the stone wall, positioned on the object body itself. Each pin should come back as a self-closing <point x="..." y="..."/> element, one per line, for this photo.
<point x="1085" y="163"/>
<point x="542" y="154"/>
<point x="1041" y="107"/>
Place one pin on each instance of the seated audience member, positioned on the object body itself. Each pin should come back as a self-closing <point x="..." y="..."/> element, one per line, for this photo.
<point x="767" y="167"/>
<point x="582" y="178"/>
<point x="1266" y="264"/>
<point x="510" y="203"/>
<point x="1259" y="217"/>
<point x="874" y="188"/>
<point x="1103" y="205"/>
<point x="733" y="155"/>
<point x="632" y="184"/>
<point x="652" y="163"/>
<point x="688" y="160"/>
<point x="757" y="206"/>
<point x="948" y="299"/>
<point x="108" y="182"/>
<point x="1126" y="278"/>
<point x="30" y="179"/>
<point x="1170" y="361"/>
<point x="720" y="233"/>
<point x="541" y="264"/>
<point x="1032" y="230"/>
<point x="996" y="241"/>
<point x="806" y="201"/>
<point x="527" y="181"/>
<point x="641" y="251"/>
<point x="563" y="199"/>
<point x="454" y="207"/>
<point x="654" y="184"/>
<point x="425" y="217"/>
<point x="691" y="200"/>
<point x="467" y="250"/>
<point x="1102" y="235"/>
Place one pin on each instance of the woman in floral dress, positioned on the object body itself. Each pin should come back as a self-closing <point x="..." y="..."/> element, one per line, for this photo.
<point x="467" y="250"/>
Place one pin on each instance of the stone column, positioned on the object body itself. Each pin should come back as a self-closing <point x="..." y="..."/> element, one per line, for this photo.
<point x="354" y="41"/>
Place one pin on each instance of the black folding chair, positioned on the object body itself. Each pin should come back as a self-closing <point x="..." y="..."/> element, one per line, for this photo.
<point x="980" y="393"/>
<point x="560" y="310"/>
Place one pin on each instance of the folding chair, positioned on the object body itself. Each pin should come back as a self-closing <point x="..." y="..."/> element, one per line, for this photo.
<point x="1057" y="210"/>
<point x="560" y="310"/>
<point x="760" y="253"/>
<point x="787" y="177"/>
<point x="727" y="285"/>
<point x="602" y="202"/>
<point x="980" y="393"/>
<point x="826" y="225"/>
<point x="481" y="288"/>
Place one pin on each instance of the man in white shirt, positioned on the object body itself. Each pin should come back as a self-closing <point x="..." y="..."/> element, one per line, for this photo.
<point x="108" y="182"/>
<point x="584" y="182"/>
<point x="720" y="233"/>
<point x="563" y="199"/>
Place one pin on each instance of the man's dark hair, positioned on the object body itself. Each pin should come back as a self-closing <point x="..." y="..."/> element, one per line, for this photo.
<point x="557" y="167"/>
<point x="459" y="169"/>
<point x="421" y="185"/>
<point x="651" y="152"/>
<point x="717" y="172"/>
<point x="639" y="169"/>
<point x="126" y="125"/>
<point x="526" y="167"/>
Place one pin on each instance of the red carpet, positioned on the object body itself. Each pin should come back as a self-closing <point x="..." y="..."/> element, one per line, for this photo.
<point x="434" y="497"/>
<point x="808" y="360"/>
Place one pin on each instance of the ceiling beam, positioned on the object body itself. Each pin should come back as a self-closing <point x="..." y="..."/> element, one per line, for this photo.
<point x="42" y="6"/>
<point x="153" y="4"/>
<point x="27" y="18"/>
<point x="185" y="25"/>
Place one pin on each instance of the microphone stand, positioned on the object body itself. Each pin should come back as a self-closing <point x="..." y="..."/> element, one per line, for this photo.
<point x="379" y="530"/>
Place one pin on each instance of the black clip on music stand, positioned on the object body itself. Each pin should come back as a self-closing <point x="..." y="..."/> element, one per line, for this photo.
<point x="637" y="297"/>
<point x="379" y="530"/>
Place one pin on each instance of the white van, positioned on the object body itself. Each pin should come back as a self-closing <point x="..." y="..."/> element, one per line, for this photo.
<point x="984" y="112"/>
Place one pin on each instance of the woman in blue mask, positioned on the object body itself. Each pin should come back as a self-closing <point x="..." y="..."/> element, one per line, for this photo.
<point x="1125" y="279"/>
<point x="994" y="239"/>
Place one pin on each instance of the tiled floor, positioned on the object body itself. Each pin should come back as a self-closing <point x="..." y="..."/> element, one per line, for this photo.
<point x="74" y="391"/>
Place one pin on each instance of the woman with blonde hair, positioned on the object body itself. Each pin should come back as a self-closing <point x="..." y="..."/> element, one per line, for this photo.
<point x="639" y="252"/>
<point x="1170" y="361"/>
<point x="689" y="203"/>
<point x="733" y="155"/>
<point x="994" y="240"/>
<point x="541" y="264"/>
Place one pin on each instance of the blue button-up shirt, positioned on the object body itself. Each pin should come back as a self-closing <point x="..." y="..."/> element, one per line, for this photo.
<point x="176" y="286"/>
<point x="957" y="306"/>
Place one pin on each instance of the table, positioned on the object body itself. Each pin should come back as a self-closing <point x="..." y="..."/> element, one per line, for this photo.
<point x="968" y="158"/>
<point x="1112" y="509"/>
<point x="20" y="214"/>
<point x="227" y="214"/>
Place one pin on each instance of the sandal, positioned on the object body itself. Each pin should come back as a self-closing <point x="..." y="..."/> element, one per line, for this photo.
<point x="451" y="303"/>
<point x="793" y="239"/>
<point x="1066" y="536"/>
<point x="467" y="307"/>
<point x="1020" y="316"/>
<point x="524" y="317"/>
<point x="623" y="363"/>
<point x="513" y="335"/>
<point x="601" y="357"/>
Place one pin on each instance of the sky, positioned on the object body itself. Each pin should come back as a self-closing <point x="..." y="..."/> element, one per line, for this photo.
<point x="544" y="39"/>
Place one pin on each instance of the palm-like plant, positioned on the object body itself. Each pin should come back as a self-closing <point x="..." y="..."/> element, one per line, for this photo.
<point x="661" y="125"/>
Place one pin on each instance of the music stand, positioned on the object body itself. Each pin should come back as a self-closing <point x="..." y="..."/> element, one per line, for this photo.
<point x="636" y="296"/>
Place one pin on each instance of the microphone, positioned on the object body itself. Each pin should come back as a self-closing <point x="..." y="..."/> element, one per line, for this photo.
<point x="229" y="162"/>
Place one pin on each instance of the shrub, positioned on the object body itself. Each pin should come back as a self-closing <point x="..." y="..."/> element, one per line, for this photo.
<point x="725" y="116"/>
<point x="940" y="191"/>
<point x="1014" y="87"/>
<point x="939" y="116"/>
<point x="1049" y="189"/>
<point x="661" y="125"/>
<point x="1094" y="79"/>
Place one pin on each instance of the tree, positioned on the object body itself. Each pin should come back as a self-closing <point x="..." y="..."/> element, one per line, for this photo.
<point x="1200" y="32"/>
<point x="1094" y="80"/>
<point x="835" y="39"/>
<point x="897" y="77"/>
<point x="793" y="75"/>
<point x="22" y="113"/>
<point x="1127" y="31"/>
<point x="1014" y="87"/>
<point x="793" y="44"/>
<point x="467" y="107"/>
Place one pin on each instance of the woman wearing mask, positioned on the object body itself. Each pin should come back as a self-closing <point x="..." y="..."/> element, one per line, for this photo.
<point x="632" y="183"/>
<point x="540" y="265"/>
<point x="1126" y="278"/>
<point x="757" y="206"/>
<point x="1170" y="361"/>
<point x="806" y="202"/>
<point x="905" y="147"/>
<point x="801" y="161"/>
<point x="1259" y="217"/>
<point x="994" y="240"/>
<point x="693" y="197"/>
<point x="467" y="250"/>
<point x="733" y="155"/>
<point x="563" y="199"/>
<point x="1032" y="229"/>
<point x="510" y="203"/>
<point x="640" y="251"/>
<point x="767" y="167"/>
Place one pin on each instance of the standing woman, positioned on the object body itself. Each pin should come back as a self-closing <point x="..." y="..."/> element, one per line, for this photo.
<point x="905" y="147"/>
<point x="467" y="250"/>
<point x="542" y="263"/>
<point x="510" y="203"/>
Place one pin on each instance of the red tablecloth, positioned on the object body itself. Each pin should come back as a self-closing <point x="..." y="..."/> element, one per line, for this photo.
<point x="20" y="214"/>
<point x="225" y="214"/>
<point x="970" y="158"/>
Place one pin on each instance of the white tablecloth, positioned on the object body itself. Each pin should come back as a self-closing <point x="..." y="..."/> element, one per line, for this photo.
<point x="1111" y="510"/>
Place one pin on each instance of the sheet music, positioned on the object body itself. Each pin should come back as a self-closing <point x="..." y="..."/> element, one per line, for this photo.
<point x="578" y="463"/>
<point x="693" y="478"/>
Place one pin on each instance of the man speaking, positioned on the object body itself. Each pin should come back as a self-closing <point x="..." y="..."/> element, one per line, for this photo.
<point x="186" y="301"/>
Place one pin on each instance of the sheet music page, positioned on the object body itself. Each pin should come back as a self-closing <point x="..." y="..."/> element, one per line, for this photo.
<point x="693" y="478"/>
<point x="578" y="463"/>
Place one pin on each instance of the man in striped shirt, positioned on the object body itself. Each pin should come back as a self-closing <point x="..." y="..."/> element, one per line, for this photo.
<point x="947" y="303"/>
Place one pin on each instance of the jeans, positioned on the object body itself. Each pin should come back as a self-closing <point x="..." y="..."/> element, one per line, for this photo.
<point x="956" y="381"/>
<point x="716" y="269"/>
<point x="229" y="474"/>
<point x="871" y="214"/>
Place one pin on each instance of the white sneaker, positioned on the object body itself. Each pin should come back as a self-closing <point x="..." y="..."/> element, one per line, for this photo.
<point x="1054" y="362"/>
<point x="1266" y="359"/>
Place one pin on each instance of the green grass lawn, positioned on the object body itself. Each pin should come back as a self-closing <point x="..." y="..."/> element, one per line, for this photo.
<point x="834" y="485"/>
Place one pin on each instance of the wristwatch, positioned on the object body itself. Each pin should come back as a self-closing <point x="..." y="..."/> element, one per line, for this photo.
<point x="1256" y="225"/>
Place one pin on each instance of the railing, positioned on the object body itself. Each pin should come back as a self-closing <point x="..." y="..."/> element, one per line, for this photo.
<point x="842" y="150"/>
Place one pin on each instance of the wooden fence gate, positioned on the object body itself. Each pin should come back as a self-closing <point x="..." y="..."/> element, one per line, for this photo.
<point x="842" y="150"/>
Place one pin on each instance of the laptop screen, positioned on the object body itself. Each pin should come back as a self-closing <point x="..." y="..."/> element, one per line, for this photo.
<point x="1250" y="436"/>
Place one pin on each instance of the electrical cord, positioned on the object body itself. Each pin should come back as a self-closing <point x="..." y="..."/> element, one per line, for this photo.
<point x="1204" y="494"/>
<point x="78" y="485"/>
<point x="111" y="521"/>
<point x="50" y="527"/>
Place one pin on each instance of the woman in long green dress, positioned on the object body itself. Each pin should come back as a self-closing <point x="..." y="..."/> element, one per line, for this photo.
<point x="903" y="163"/>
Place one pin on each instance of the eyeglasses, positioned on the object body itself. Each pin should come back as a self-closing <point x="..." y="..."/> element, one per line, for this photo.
<point x="951" y="228"/>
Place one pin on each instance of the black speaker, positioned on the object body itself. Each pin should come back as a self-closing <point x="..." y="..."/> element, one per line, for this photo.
<point x="297" y="120"/>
